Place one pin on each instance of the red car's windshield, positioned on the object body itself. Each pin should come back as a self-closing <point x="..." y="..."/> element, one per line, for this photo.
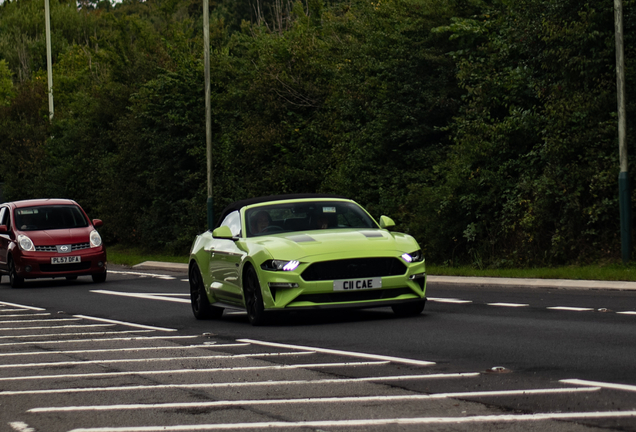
<point x="49" y="218"/>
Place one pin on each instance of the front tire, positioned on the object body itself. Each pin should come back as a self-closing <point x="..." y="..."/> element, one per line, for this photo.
<point x="14" y="280"/>
<point x="201" y="307"/>
<point x="409" y="309"/>
<point x="253" y="298"/>
<point x="97" y="277"/>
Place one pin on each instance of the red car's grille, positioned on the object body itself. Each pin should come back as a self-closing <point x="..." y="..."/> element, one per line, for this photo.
<point x="354" y="269"/>
<point x="74" y="247"/>
<point x="61" y="268"/>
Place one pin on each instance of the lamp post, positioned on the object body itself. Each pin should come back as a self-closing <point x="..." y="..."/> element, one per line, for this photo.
<point x="208" y="121"/>
<point x="49" y="67"/>
<point x="623" y="176"/>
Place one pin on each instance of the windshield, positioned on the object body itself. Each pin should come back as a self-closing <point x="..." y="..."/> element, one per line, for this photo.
<point x="305" y="216"/>
<point x="49" y="218"/>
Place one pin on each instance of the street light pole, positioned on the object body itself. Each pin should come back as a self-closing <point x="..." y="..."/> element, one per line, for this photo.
<point x="208" y="116"/>
<point x="623" y="176"/>
<point x="49" y="67"/>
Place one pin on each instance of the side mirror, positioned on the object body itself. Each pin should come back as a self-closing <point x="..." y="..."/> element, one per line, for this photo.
<point x="386" y="222"/>
<point x="97" y="223"/>
<point x="223" y="232"/>
<point x="3" y="229"/>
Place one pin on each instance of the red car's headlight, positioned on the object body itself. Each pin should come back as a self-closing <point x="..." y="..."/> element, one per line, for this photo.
<point x="25" y="243"/>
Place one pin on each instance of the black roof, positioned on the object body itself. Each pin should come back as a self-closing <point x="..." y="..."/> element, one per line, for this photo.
<point x="240" y="204"/>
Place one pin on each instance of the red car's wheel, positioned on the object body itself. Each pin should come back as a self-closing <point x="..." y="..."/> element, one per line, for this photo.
<point x="14" y="280"/>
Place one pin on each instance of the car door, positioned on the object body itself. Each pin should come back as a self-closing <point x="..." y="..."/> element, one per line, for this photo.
<point x="225" y="261"/>
<point x="5" y="238"/>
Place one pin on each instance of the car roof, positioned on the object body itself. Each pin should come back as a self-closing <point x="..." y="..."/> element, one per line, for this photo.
<point x="237" y="205"/>
<point x="39" y="202"/>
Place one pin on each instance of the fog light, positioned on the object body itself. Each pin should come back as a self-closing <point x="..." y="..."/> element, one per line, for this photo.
<point x="100" y="264"/>
<point x="28" y="269"/>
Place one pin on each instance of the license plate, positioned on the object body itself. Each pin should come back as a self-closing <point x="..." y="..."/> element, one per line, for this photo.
<point x="357" y="284"/>
<point x="66" y="259"/>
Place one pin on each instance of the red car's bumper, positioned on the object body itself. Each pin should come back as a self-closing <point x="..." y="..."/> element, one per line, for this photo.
<point x="32" y="265"/>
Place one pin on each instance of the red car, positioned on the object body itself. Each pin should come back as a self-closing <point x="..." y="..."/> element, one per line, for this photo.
<point x="49" y="238"/>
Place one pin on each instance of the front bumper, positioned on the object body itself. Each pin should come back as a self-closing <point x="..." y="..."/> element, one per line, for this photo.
<point x="34" y="265"/>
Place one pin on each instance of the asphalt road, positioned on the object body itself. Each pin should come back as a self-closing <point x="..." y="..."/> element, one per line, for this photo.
<point x="479" y="358"/>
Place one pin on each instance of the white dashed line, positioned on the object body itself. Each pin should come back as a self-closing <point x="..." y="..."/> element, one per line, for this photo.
<point x="448" y="300"/>
<point x="317" y="400"/>
<point x="129" y="324"/>
<point x="514" y="305"/>
<point x="342" y="353"/>
<point x="624" y="387"/>
<point x="22" y="306"/>
<point x="569" y="308"/>
<point x="142" y="296"/>
<point x="504" y="418"/>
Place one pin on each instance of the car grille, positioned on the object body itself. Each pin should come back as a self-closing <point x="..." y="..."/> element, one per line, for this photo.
<point x="362" y="295"/>
<point x="354" y="269"/>
<point x="61" y="268"/>
<point x="74" y="247"/>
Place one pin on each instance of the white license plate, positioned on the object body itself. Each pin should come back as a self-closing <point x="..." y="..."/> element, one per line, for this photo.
<point x="357" y="284"/>
<point x="66" y="259"/>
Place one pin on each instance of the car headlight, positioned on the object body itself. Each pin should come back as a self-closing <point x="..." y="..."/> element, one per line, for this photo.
<point x="25" y="243"/>
<point x="96" y="240"/>
<point x="277" y="265"/>
<point x="416" y="256"/>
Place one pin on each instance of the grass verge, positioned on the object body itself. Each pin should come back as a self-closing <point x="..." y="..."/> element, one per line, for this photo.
<point x="131" y="256"/>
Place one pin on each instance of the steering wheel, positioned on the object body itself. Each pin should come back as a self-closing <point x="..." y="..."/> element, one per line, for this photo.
<point x="272" y="228"/>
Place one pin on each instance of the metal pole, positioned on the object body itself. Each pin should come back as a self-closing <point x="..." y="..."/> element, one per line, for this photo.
<point x="208" y="116"/>
<point x="623" y="176"/>
<point x="49" y="67"/>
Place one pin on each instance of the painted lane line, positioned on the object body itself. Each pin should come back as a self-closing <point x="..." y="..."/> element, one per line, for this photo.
<point x="342" y="353"/>
<point x="116" y="339"/>
<point x="627" y="313"/>
<point x="91" y="351"/>
<point x="38" y="320"/>
<point x="129" y="324"/>
<point x="153" y="275"/>
<point x="21" y="427"/>
<point x="624" y="387"/>
<point x="501" y="418"/>
<point x="22" y="306"/>
<point x="57" y="335"/>
<point x="508" y="304"/>
<point x="25" y="316"/>
<point x="190" y="371"/>
<point x="148" y="360"/>
<point x="448" y="300"/>
<point x="569" y="308"/>
<point x="330" y="381"/>
<point x="56" y="327"/>
<point x="169" y="294"/>
<point x="317" y="400"/>
<point x="141" y="296"/>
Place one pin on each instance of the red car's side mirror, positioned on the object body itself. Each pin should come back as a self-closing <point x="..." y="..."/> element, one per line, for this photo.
<point x="3" y="229"/>
<point x="97" y="223"/>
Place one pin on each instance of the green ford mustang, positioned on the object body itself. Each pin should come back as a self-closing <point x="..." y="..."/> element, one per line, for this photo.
<point x="294" y="252"/>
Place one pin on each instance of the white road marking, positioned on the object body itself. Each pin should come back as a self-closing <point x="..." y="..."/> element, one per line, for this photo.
<point x="568" y="308"/>
<point x="130" y="338"/>
<point x="56" y="335"/>
<point x="153" y="348"/>
<point x="508" y="304"/>
<point x="153" y="275"/>
<point x="56" y="327"/>
<point x="22" y="306"/>
<point x="21" y="427"/>
<point x="627" y="313"/>
<point x="38" y="320"/>
<point x="317" y="400"/>
<point x="625" y="387"/>
<point x="448" y="300"/>
<point x="142" y="296"/>
<point x="23" y="314"/>
<point x="342" y="353"/>
<point x="129" y="324"/>
<point x="507" y="418"/>
<point x="148" y="360"/>
<point x="228" y="384"/>
<point x="189" y="371"/>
